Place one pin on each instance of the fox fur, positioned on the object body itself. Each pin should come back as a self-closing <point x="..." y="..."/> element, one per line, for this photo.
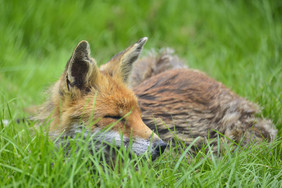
<point x="182" y="103"/>
<point x="86" y="96"/>
<point x="176" y="102"/>
<point x="153" y="64"/>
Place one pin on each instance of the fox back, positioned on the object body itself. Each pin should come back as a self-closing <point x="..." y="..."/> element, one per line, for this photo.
<point x="187" y="104"/>
<point x="86" y="96"/>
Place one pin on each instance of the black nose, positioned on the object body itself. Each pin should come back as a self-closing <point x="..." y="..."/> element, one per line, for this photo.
<point x="160" y="146"/>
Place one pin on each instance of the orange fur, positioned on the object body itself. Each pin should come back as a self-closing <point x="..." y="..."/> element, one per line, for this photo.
<point x="71" y="103"/>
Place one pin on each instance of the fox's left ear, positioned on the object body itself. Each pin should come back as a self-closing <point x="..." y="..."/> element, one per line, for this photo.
<point x="120" y="65"/>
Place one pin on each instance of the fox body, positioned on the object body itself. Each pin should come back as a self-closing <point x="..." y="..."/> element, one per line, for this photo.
<point x="185" y="103"/>
<point x="86" y="96"/>
<point x="175" y="101"/>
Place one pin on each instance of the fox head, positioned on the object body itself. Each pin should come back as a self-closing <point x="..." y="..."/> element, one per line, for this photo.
<point x="98" y="98"/>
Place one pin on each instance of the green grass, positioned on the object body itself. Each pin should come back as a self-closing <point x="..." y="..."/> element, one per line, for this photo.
<point x="236" y="42"/>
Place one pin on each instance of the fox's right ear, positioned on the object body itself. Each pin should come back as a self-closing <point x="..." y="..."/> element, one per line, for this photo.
<point x="81" y="70"/>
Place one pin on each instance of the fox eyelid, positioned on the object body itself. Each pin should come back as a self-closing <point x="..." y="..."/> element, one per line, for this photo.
<point x="113" y="117"/>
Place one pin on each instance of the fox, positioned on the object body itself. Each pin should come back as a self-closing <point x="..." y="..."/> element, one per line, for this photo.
<point x="88" y="96"/>
<point x="182" y="104"/>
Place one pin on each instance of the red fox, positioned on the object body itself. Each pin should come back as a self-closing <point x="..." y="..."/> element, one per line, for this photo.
<point x="71" y="107"/>
<point x="179" y="102"/>
<point x="175" y="102"/>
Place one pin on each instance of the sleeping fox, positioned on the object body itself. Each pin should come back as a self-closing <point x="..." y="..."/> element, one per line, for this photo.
<point x="182" y="103"/>
<point x="86" y="96"/>
<point x="176" y="102"/>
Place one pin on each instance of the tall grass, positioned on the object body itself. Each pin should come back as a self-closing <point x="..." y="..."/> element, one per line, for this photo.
<point x="237" y="42"/>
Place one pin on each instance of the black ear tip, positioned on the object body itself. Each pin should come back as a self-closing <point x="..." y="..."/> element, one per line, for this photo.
<point x="83" y="46"/>
<point x="142" y="40"/>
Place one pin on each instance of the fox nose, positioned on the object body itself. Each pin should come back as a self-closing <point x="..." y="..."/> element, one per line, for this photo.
<point x="160" y="146"/>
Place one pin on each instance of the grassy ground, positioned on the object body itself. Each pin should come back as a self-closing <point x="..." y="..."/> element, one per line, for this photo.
<point x="237" y="42"/>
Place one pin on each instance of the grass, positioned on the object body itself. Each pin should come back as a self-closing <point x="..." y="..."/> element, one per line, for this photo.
<point x="236" y="42"/>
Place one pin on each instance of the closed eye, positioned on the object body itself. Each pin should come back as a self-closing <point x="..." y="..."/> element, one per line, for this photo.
<point x="113" y="117"/>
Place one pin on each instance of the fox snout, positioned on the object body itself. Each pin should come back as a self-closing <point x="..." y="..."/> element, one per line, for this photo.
<point x="159" y="147"/>
<point x="154" y="148"/>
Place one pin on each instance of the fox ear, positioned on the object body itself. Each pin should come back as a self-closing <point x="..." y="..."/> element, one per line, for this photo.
<point x="81" y="68"/>
<point x="121" y="64"/>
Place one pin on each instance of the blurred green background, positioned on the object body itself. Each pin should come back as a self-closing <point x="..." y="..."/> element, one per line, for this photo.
<point x="236" y="42"/>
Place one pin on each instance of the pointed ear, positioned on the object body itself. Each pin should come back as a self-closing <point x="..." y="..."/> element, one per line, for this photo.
<point x="81" y="68"/>
<point x="120" y="65"/>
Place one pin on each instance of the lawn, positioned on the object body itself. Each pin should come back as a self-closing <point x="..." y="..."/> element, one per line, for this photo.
<point x="239" y="43"/>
